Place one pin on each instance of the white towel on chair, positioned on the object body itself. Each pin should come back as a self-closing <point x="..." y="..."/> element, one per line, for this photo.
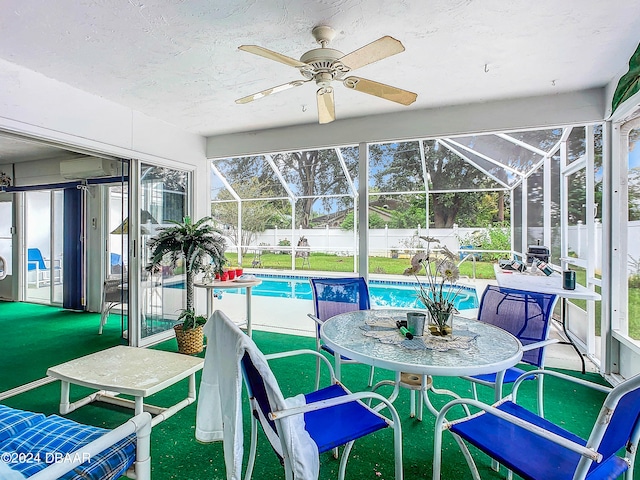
<point x="7" y="474"/>
<point x="219" y="413"/>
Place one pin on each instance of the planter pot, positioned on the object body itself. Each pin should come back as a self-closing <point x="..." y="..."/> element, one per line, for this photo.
<point x="442" y="326"/>
<point x="190" y="341"/>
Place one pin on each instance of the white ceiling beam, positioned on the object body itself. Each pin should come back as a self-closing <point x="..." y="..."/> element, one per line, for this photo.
<point x="585" y="106"/>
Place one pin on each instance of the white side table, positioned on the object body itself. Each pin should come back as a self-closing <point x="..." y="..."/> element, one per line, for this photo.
<point x="230" y="284"/>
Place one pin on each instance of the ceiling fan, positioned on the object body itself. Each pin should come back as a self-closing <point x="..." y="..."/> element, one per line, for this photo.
<point x="324" y="65"/>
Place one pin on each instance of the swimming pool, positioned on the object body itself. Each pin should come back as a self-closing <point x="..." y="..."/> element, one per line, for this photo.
<point x="383" y="293"/>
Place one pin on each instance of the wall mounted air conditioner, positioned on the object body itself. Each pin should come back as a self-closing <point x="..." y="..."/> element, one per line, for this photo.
<point x="89" y="167"/>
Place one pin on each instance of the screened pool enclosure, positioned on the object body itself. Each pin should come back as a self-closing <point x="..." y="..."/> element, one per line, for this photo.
<point x="485" y="196"/>
<point x="526" y="182"/>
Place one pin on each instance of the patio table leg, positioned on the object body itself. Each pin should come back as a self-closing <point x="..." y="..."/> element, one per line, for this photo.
<point x="337" y="364"/>
<point x="64" y="397"/>
<point x="248" y="298"/>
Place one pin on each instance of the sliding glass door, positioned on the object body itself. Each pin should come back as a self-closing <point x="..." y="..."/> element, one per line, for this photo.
<point x="163" y="198"/>
<point x="44" y="219"/>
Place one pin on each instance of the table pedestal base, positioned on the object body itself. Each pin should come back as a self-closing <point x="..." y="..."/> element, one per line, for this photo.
<point x="419" y="383"/>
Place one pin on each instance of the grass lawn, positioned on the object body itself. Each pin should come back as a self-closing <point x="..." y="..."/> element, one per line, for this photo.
<point x="335" y="263"/>
<point x="634" y="313"/>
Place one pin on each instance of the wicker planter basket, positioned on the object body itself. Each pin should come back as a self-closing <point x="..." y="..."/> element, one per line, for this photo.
<point x="191" y="341"/>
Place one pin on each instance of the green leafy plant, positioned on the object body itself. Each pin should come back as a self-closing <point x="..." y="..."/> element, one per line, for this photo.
<point x="198" y="244"/>
<point x="285" y="242"/>
<point x="634" y="278"/>
<point x="496" y="236"/>
<point x="190" y="320"/>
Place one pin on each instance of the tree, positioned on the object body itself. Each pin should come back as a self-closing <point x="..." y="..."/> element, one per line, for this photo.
<point x="398" y="167"/>
<point x="309" y="175"/>
<point x="634" y="193"/>
<point x="257" y="215"/>
<point x="634" y="178"/>
<point x="412" y="216"/>
<point x="314" y="173"/>
<point x="375" y="221"/>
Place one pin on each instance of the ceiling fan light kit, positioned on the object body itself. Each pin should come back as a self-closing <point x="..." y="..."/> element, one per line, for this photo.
<point x="324" y="65"/>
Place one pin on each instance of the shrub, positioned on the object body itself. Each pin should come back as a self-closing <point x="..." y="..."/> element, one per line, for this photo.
<point x="493" y="237"/>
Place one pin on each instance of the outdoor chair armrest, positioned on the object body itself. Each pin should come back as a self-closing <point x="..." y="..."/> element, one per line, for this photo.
<point x="314" y="318"/>
<point x="332" y="402"/>
<point x="543" y="343"/>
<point x="292" y="353"/>
<point x="563" y="376"/>
<point x="442" y="423"/>
<point x="140" y="425"/>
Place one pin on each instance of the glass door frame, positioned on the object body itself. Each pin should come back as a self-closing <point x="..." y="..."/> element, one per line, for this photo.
<point x="585" y="338"/>
<point x="624" y="352"/>
<point x="10" y="281"/>
<point x="136" y="255"/>
<point x="55" y="245"/>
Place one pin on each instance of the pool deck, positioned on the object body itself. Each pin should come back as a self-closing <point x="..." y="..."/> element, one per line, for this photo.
<point x="290" y="316"/>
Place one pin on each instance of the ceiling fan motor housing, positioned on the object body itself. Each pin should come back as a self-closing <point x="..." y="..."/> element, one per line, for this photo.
<point x="323" y="64"/>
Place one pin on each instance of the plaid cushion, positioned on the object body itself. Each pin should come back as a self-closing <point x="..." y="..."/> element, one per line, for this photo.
<point x="13" y="421"/>
<point x="51" y="439"/>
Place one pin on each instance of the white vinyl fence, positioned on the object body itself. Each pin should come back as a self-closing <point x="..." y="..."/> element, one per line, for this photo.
<point x="383" y="242"/>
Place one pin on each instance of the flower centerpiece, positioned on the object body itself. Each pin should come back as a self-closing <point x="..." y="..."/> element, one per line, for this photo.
<point x="440" y="290"/>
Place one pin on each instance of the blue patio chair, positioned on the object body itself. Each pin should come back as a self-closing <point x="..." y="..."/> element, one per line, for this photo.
<point x="116" y="264"/>
<point x="332" y="296"/>
<point x="535" y="448"/>
<point x="332" y="416"/>
<point x="527" y="316"/>
<point x="39" y="265"/>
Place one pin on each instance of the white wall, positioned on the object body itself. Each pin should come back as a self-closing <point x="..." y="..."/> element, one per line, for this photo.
<point x="37" y="106"/>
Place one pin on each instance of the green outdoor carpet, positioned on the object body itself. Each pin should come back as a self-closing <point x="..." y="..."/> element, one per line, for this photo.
<point x="37" y="337"/>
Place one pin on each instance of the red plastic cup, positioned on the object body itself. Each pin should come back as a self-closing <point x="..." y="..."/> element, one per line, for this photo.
<point x="232" y="274"/>
<point x="224" y="277"/>
<point x="239" y="272"/>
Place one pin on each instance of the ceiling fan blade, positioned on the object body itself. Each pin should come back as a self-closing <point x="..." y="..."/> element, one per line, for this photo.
<point x="326" y="105"/>
<point x="382" y="48"/>
<point x="271" y="55"/>
<point x="269" y="91"/>
<point x="380" y="90"/>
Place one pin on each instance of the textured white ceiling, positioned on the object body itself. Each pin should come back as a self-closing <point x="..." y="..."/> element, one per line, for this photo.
<point x="178" y="60"/>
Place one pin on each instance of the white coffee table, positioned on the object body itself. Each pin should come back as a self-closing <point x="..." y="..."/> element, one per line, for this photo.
<point x="139" y="372"/>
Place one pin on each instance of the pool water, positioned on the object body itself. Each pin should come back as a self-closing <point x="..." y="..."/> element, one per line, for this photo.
<point x="382" y="293"/>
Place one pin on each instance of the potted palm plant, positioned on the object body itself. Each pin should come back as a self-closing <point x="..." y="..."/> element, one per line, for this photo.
<point x="199" y="244"/>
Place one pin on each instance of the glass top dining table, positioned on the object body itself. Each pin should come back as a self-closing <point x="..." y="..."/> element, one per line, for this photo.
<point x="369" y="337"/>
